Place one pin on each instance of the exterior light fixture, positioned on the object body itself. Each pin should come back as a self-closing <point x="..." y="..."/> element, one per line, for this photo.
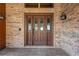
<point x="63" y="16"/>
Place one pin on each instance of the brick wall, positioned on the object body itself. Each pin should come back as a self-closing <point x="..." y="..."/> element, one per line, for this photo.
<point x="14" y="21"/>
<point x="69" y="31"/>
<point x="57" y="25"/>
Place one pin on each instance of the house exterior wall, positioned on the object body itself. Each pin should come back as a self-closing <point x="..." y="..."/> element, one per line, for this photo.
<point x="14" y="21"/>
<point x="69" y="31"/>
<point x="66" y="32"/>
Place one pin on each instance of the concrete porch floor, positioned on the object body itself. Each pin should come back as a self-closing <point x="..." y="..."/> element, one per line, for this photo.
<point x="33" y="52"/>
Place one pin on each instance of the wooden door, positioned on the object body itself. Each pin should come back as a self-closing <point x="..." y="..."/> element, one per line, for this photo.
<point x="2" y="26"/>
<point x="39" y="29"/>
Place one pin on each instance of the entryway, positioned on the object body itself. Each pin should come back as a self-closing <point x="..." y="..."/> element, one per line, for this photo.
<point x="39" y="29"/>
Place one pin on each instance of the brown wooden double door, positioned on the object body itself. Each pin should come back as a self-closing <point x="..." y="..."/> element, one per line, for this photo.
<point x="39" y="29"/>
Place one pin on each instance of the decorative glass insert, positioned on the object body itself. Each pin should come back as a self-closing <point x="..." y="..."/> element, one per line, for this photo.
<point x="41" y="24"/>
<point x="48" y="24"/>
<point x="29" y="25"/>
<point x="35" y="24"/>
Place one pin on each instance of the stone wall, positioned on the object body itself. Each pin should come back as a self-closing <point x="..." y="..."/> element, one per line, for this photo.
<point x="14" y="21"/>
<point x="57" y="25"/>
<point x="69" y="31"/>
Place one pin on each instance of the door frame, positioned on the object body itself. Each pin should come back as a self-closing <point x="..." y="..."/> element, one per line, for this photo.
<point x="25" y="27"/>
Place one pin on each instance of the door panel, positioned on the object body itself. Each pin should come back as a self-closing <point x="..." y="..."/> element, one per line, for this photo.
<point x="30" y="30"/>
<point x="49" y="30"/>
<point x="39" y="30"/>
<point x="42" y="30"/>
<point x="36" y="30"/>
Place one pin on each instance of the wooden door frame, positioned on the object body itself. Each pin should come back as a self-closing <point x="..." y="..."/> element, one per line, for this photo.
<point x="25" y="35"/>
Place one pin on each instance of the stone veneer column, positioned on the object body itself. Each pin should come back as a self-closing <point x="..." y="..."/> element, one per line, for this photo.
<point x="57" y="25"/>
<point x="70" y="29"/>
<point x="14" y="21"/>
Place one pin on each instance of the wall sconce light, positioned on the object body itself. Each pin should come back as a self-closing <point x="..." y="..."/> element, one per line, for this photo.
<point x="63" y="16"/>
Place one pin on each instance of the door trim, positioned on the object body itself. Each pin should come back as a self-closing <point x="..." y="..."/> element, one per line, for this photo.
<point x="25" y="27"/>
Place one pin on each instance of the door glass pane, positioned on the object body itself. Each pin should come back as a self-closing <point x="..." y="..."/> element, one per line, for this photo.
<point x="41" y="24"/>
<point x="48" y="24"/>
<point x="35" y="24"/>
<point x="29" y="25"/>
